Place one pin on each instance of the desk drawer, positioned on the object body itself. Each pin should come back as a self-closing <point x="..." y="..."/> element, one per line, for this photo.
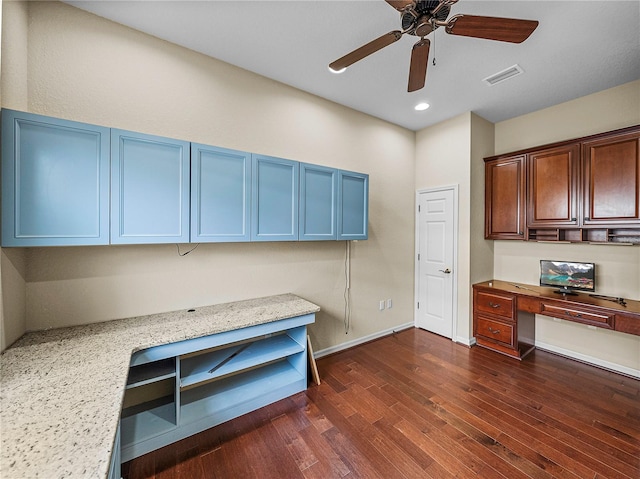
<point x="495" y="331"/>
<point x="593" y="318"/>
<point x="498" y="304"/>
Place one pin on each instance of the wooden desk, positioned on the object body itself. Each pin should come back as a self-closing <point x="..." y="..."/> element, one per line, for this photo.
<point x="496" y="304"/>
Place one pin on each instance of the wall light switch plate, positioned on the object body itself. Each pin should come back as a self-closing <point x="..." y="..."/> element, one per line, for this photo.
<point x="381" y="306"/>
<point x="389" y="304"/>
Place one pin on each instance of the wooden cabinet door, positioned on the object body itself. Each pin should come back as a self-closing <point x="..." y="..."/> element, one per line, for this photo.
<point x="353" y="206"/>
<point x="149" y="189"/>
<point x="274" y="203"/>
<point x="220" y="194"/>
<point x="318" y="200"/>
<point x="553" y="187"/>
<point x="55" y="181"/>
<point x="611" y="183"/>
<point x="505" y="198"/>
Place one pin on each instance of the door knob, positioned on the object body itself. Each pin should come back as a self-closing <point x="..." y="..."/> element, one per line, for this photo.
<point x="445" y="271"/>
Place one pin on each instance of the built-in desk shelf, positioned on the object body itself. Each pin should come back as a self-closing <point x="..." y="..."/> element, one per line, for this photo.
<point x="179" y="389"/>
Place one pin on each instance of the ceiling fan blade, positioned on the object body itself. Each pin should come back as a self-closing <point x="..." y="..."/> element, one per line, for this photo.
<point x="418" y="66"/>
<point x="399" y="4"/>
<point x="366" y="50"/>
<point x="492" y="28"/>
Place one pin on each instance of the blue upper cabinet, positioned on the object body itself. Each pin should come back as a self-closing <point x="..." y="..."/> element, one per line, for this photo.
<point x="220" y="194"/>
<point x="274" y="202"/>
<point x="353" y="206"/>
<point x="150" y="178"/>
<point x="55" y="181"/>
<point x="318" y="199"/>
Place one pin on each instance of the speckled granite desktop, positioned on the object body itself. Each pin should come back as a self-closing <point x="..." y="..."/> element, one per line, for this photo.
<point x="61" y="390"/>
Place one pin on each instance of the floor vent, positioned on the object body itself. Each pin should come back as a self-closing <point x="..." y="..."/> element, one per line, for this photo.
<point x="503" y="75"/>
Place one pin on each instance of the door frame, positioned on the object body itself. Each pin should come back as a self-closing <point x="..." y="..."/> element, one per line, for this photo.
<point x="416" y="268"/>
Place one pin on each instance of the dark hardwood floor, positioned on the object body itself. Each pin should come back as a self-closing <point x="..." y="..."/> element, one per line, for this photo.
<point x="415" y="405"/>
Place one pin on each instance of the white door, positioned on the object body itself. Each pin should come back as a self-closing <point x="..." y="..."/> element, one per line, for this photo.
<point x="436" y="274"/>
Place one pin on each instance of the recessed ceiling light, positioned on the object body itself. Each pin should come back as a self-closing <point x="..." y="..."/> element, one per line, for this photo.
<point x="421" y="106"/>
<point x="337" y="71"/>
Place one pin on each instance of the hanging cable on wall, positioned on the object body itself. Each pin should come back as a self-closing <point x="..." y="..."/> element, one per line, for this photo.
<point x="347" y="287"/>
<point x="186" y="253"/>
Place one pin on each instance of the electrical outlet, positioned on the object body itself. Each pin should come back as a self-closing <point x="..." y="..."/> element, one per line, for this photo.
<point x="381" y="305"/>
<point x="389" y="304"/>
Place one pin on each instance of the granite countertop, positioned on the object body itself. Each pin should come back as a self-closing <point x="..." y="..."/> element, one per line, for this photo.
<point x="61" y="390"/>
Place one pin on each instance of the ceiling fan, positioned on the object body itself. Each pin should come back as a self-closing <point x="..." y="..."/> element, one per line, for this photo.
<point x="421" y="17"/>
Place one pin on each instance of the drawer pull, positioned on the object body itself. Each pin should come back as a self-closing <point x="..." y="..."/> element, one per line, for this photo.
<point x="494" y="331"/>
<point x="494" y="305"/>
<point x="577" y="315"/>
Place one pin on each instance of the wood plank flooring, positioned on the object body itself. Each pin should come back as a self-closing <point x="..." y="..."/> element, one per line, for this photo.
<point x="415" y="405"/>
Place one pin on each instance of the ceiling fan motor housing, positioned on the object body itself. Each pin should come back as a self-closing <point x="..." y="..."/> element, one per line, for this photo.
<point x="416" y="17"/>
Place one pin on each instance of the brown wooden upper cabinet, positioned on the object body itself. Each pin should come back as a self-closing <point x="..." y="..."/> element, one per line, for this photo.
<point x="611" y="180"/>
<point x="505" y="197"/>
<point x="586" y="189"/>
<point x="552" y="198"/>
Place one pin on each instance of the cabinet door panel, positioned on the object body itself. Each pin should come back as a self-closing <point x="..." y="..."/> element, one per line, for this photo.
<point x="318" y="198"/>
<point x="274" y="215"/>
<point x="220" y="194"/>
<point x="353" y="206"/>
<point x="612" y="180"/>
<point x="553" y="183"/>
<point x="505" y="198"/>
<point x="55" y="181"/>
<point x="149" y="189"/>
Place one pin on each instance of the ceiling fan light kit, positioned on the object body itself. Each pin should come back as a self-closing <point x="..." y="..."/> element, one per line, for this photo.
<point x="421" y="17"/>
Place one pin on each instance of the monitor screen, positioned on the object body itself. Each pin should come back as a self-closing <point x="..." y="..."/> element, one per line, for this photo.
<point x="568" y="275"/>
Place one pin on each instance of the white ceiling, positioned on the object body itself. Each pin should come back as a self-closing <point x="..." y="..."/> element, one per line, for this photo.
<point x="580" y="47"/>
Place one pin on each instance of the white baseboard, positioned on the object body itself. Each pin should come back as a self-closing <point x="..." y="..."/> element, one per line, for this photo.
<point x="635" y="373"/>
<point x="362" y="340"/>
<point x="466" y="341"/>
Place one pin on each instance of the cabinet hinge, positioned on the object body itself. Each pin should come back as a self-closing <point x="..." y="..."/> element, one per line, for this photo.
<point x="418" y="304"/>
<point x="418" y="208"/>
<point x="418" y="256"/>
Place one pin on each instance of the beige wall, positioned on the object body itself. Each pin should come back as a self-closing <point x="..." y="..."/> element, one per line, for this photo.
<point x="603" y="111"/>
<point x="618" y="267"/>
<point x="12" y="296"/>
<point x="85" y="68"/>
<point x="13" y="89"/>
<point x="451" y="153"/>
<point x="481" y="255"/>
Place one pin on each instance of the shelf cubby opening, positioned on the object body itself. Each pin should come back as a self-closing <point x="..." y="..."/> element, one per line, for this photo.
<point x="220" y="363"/>
<point x="147" y="420"/>
<point x="218" y="398"/>
<point x="151" y="372"/>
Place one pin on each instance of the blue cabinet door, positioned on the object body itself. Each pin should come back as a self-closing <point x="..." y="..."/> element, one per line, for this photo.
<point x="353" y="205"/>
<point x="149" y="189"/>
<point x="274" y="203"/>
<point x="55" y="181"/>
<point x="220" y="194"/>
<point x="318" y="199"/>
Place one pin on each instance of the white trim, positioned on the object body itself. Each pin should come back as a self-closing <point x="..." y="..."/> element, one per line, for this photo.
<point x="466" y="341"/>
<point x="362" y="340"/>
<point x="416" y="268"/>
<point x="588" y="359"/>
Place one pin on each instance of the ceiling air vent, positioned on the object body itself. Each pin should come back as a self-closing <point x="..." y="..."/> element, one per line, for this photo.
<point x="503" y="75"/>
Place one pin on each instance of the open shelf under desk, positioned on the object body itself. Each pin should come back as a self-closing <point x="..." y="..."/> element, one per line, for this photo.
<point x="147" y="420"/>
<point x="218" y="400"/>
<point x="221" y="363"/>
<point x="151" y="372"/>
